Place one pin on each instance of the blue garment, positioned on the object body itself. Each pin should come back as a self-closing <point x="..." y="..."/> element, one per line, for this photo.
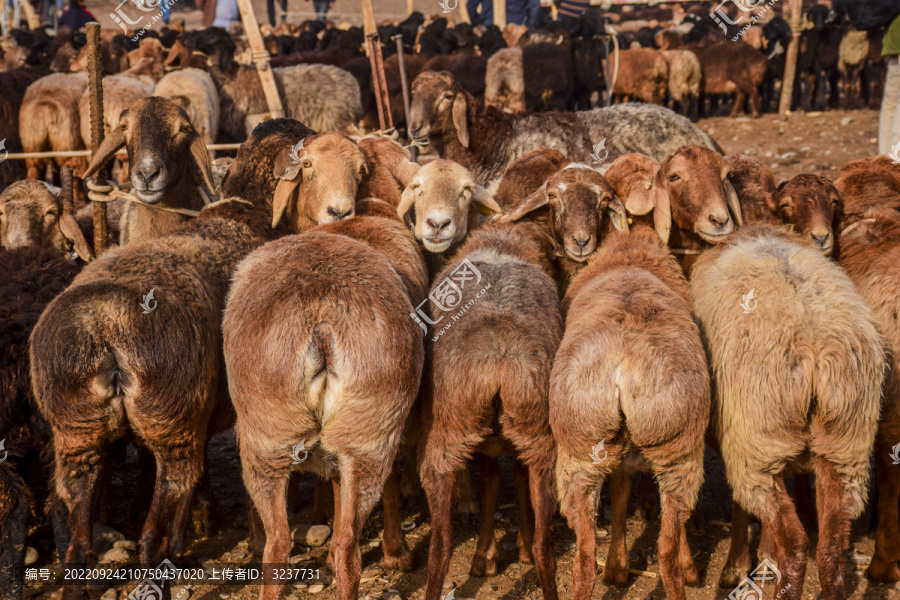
<point x="226" y="12"/>
<point x="487" y="12"/>
<point x="523" y="12"/>
<point x="321" y="7"/>
<point x="165" y="9"/>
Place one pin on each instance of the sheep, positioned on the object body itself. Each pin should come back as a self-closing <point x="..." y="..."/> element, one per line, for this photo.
<point x="195" y="92"/>
<point x="803" y="397"/>
<point x="390" y="169"/>
<point x="31" y="215"/>
<point x="550" y="84"/>
<point x="322" y="96"/>
<point x="852" y="54"/>
<point x="364" y="269"/>
<point x="48" y="120"/>
<point x="643" y="75"/>
<point x="168" y="161"/>
<point x="503" y="340"/>
<point x="685" y="80"/>
<point x="504" y="81"/>
<point x="572" y="204"/>
<point x="13" y="82"/>
<point x="732" y="68"/>
<point x="748" y="172"/>
<point x="485" y="142"/>
<point x="525" y="176"/>
<point x="629" y="380"/>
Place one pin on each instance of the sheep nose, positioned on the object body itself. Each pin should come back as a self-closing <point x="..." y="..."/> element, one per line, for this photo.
<point x="147" y="171"/>
<point x="339" y="215"/>
<point x="581" y="243"/>
<point x="718" y="222"/>
<point x="437" y="226"/>
<point x="414" y="131"/>
<point x="821" y="240"/>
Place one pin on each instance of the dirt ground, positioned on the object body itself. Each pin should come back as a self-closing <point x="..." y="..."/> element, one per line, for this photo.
<point x="806" y="143"/>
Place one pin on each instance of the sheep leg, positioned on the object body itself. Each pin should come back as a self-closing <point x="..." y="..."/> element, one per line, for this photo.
<point x="396" y="553"/>
<point x="834" y="528"/>
<point x="616" y="570"/>
<point x="686" y="559"/>
<point x="14" y="524"/>
<point x="257" y="534"/>
<point x="674" y="516"/>
<point x="543" y="507"/>
<point x="484" y="562"/>
<point x="887" y="536"/>
<point x="791" y="542"/>
<point x="203" y="513"/>
<point x="409" y="480"/>
<point x="580" y="505"/>
<point x="323" y="501"/>
<point x="439" y="490"/>
<point x="177" y="474"/>
<point x="737" y="104"/>
<point x="336" y="491"/>
<point x="466" y="507"/>
<point x="737" y="565"/>
<point x="646" y="496"/>
<point x="525" y="539"/>
<point x="266" y="482"/>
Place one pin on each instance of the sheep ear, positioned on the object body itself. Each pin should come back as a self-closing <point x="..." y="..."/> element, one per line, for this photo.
<point x="114" y="140"/>
<point x="662" y="209"/>
<point x="286" y="168"/>
<point x="407" y="200"/>
<point x="460" y="112"/>
<point x="639" y="201"/>
<point x="486" y="203"/>
<point x="69" y="227"/>
<point x="203" y="164"/>
<point x="285" y="192"/>
<point x="616" y="211"/>
<point x="533" y="202"/>
<point x="734" y="203"/>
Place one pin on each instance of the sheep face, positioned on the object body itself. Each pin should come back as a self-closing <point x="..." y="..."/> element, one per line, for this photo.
<point x="442" y="194"/>
<point x="164" y="149"/>
<point x="812" y="205"/>
<point x="437" y="105"/>
<point x="700" y="197"/>
<point x="319" y="181"/>
<point x="30" y="215"/>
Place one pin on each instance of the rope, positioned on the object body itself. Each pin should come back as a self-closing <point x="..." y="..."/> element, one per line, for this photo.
<point x="111" y="192"/>
<point x="689" y="251"/>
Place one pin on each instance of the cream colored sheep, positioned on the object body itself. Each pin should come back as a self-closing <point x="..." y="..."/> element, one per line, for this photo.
<point x="195" y="91"/>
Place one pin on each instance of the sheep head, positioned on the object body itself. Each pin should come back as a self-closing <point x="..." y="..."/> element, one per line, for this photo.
<point x="390" y="167"/>
<point x="577" y="198"/>
<point x="31" y="215"/>
<point x="812" y="205"/>
<point x="443" y="195"/>
<point x="632" y="177"/>
<point x="164" y="150"/>
<point x="439" y="106"/>
<point x="319" y="180"/>
<point x="694" y="184"/>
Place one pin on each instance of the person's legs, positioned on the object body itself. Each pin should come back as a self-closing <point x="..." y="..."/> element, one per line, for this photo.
<point x="165" y="8"/>
<point x="270" y="9"/>
<point x="889" y="122"/>
<point x="321" y="8"/>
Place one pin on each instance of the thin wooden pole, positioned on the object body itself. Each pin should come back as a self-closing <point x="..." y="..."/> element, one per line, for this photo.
<point x="95" y="83"/>
<point x="499" y="13"/>
<point x="382" y="82"/>
<point x="404" y="86"/>
<point x="34" y="21"/>
<point x="409" y="6"/>
<point x="260" y="58"/>
<point x="368" y="12"/>
<point x="463" y="12"/>
<point x="370" y="48"/>
<point x="790" y="62"/>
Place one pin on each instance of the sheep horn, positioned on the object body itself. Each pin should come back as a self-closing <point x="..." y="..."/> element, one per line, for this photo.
<point x="114" y="140"/>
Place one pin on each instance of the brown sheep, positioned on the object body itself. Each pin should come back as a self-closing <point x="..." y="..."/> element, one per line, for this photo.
<point x="31" y="215"/>
<point x="390" y="168"/>
<point x="503" y="339"/>
<point x="804" y="397"/>
<point x="630" y="380"/>
<point x="732" y="68"/>
<point x="328" y="380"/>
<point x="504" y="81"/>
<point x="525" y="176"/>
<point x="169" y="162"/>
<point x="643" y="75"/>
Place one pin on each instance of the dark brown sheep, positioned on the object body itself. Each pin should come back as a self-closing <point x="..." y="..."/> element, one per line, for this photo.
<point x="32" y="215"/>
<point x="732" y="68"/>
<point x="630" y="381"/>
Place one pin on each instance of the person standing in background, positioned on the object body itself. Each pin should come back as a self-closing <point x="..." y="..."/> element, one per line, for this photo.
<point x="321" y="7"/>
<point x="485" y="17"/>
<point x="226" y="13"/>
<point x="270" y="7"/>
<point x="889" y="122"/>
<point x="569" y="11"/>
<point x="523" y="12"/>
<point x="77" y="16"/>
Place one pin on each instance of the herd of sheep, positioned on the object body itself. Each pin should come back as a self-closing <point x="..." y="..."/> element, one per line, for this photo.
<point x="532" y="292"/>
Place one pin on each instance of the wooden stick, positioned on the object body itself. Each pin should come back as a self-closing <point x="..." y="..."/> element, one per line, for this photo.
<point x="261" y="58"/>
<point x="66" y="195"/>
<point x="790" y="61"/>
<point x="602" y="563"/>
<point x="404" y="87"/>
<point x="499" y="13"/>
<point x="409" y="7"/>
<point x="382" y="83"/>
<point x="95" y="82"/>
<point x="34" y="21"/>
<point x="370" y="48"/>
<point x="368" y="12"/>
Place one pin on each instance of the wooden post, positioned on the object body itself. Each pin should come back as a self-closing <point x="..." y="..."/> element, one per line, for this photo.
<point x="790" y="62"/>
<point x="95" y="83"/>
<point x="382" y="82"/>
<point x="463" y="12"/>
<point x="67" y="193"/>
<point x="260" y="58"/>
<point x="34" y="21"/>
<point x="499" y="13"/>
<point x="404" y="85"/>
<point x="368" y="12"/>
<point x="376" y="84"/>
<point x="409" y="7"/>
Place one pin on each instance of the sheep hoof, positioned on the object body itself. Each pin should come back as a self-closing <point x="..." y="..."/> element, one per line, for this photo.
<point x="731" y="576"/>
<point x="483" y="566"/>
<point x="404" y="562"/>
<point x="615" y="577"/>
<point x="525" y="556"/>
<point x="691" y="576"/>
<point x="882" y="571"/>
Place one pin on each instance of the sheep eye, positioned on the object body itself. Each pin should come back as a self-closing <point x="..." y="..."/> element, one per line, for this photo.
<point x="551" y="195"/>
<point x="674" y="177"/>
